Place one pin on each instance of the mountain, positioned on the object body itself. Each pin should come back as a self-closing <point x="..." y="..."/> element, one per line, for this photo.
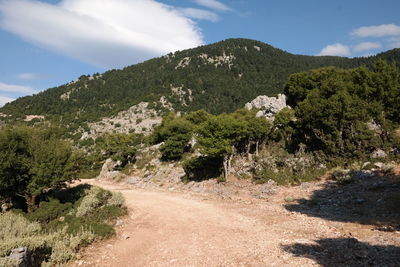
<point x="218" y="78"/>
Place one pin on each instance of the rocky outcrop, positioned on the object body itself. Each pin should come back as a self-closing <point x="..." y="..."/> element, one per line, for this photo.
<point x="139" y="118"/>
<point x="22" y="256"/>
<point x="268" y="106"/>
<point x="379" y="153"/>
<point x="108" y="172"/>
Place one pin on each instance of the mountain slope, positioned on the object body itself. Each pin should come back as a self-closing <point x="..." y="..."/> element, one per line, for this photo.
<point x="218" y="78"/>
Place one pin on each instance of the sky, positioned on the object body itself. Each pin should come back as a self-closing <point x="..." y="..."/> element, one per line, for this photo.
<point x="47" y="43"/>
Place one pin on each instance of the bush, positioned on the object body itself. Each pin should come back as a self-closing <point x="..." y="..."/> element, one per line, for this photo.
<point x="288" y="176"/>
<point x="49" y="211"/>
<point x="15" y="225"/>
<point x="8" y="262"/>
<point x="61" y="232"/>
<point x="342" y="176"/>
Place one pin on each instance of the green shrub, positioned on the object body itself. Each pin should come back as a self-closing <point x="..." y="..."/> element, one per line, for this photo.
<point x="57" y="229"/>
<point x="342" y="176"/>
<point x="287" y="175"/>
<point x="7" y="262"/>
<point x="95" y="198"/>
<point x="49" y="211"/>
<point x="15" y="225"/>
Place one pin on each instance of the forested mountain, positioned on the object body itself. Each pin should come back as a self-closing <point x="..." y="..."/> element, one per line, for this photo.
<point x="218" y="78"/>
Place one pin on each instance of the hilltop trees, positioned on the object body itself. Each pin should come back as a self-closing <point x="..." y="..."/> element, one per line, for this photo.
<point x="32" y="161"/>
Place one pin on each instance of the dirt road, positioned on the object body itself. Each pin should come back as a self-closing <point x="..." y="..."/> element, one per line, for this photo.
<point x="178" y="229"/>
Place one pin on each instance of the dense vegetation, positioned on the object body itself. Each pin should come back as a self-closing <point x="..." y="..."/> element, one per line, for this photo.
<point x="218" y="78"/>
<point x="55" y="230"/>
<point x="346" y="113"/>
<point x="46" y="216"/>
<point x="337" y="116"/>
<point x="33" y="160"/>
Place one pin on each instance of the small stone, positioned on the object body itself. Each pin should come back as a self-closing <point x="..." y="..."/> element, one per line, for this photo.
<point x="365" y="164"/>
<point x="379" y="165"/>
<point x="133" y="180"/>
<point x="379" y="153"/>
<point x="61" y="219"/>
<point x="125" y="236"/>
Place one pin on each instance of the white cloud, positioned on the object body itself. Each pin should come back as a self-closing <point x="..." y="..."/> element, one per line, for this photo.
<point x="29" y="76"/>
<point x="110" y="34"/>
<point x="367" y="46"/>
<point x="337" y="49"/>
<point x="213" y="4"/>
<point x="11" y="88"/>
<point x="377" y="31"/>
<point x="196" y="13"/>
<point x="4" y="100"/>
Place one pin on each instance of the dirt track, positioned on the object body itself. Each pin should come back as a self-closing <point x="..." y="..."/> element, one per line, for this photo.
<point x="179" y="229"/>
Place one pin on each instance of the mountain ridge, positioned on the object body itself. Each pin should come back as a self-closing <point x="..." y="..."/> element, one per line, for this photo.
<point x="219" y="77"/>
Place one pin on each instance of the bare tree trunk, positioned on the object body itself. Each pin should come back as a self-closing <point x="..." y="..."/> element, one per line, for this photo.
<point x="30" y="202"/>
<point x="226" y="167"/>
<point x="248" y="150"/>
<point x="257" y="147"/>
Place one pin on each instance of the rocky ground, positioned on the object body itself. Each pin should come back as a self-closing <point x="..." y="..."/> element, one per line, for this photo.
<point x="238" y="224"/>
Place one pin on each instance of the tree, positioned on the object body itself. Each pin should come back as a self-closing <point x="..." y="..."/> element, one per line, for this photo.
<point x="119" y="147"/>
<point x="335" y="108"/>
<point x="282" y="128"/>
<point x="218" y="137"/>
<point x="176" y="134"/>
<point x="32" y="161"/>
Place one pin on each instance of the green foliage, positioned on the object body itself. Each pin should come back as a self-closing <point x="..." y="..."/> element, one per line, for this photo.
<point x="119" y="147"/>
<point x="342" y="176"/>
<point x="219" y="134"/>
<point x="176" y="135"/>
<point x="283" y="125"/>
<point x="33" y="160"/>
<point x="334" y="107"/>
<point x="224" y="88"/>
<point x="97" y="198"/>
<point x="48" y="211"/>
<point x="54" y="232"/>
<point x="285" y="176"/>
<point x="277" y="164"/>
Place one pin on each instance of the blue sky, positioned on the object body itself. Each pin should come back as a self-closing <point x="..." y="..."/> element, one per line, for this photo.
<point x="46" y="43"/>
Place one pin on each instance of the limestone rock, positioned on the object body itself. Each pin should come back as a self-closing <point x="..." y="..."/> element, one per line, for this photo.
<point x="108" y="172"/>
<point x="22" y="255"/>
<point x="379" y="153"/>
<point x="268" y="106"/>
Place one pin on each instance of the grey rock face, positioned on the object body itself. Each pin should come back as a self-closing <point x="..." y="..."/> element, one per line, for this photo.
<point x="268" y="106"/>
<point x="379" y="153"/>
<point x="22" y="255"/>
<point x="108" y="172"/>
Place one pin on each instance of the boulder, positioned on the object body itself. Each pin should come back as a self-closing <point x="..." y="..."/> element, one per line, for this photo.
<point x="22" y="255"/>
<point x="379" y="153"/>
<point x="268" y="106"/>
<point x="107" y="171"/>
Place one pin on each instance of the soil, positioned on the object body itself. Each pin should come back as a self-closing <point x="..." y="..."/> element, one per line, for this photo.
<point x="315" y="224"/>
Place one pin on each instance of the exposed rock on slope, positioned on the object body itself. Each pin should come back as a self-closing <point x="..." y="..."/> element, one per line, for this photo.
<point x="268" y="106"/>
<point x="139" y="119"/>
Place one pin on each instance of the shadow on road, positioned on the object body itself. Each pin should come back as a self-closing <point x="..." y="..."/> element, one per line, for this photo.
<point x="373" y="200"/>
<point x="346" y="252"/>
